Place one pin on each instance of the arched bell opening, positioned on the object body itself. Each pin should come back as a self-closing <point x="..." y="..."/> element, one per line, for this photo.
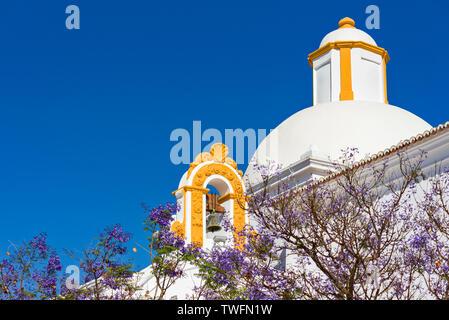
<point x="213" y="184"/>
<point x="216" y="211"/>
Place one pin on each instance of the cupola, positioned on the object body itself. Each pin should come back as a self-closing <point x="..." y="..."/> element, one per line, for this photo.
<point x="349" y="66"/>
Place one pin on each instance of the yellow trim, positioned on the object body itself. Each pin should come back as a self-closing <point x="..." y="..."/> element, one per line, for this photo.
<point x="190" y="188"/>
<point x="348" y="44"/>
<point x="184" y="216"/>
<point x="346" y="92"/>
<point x="226" y="197"/>
<point x="385" y="79"/>
<point x="180" y="228"/>
<point x="196" y="217"/>
<point x="197" y="206"/>
<point x="177" y="227"/>
<point x="217" y="153"/>
<point x="229" y="196"/>
<point x="226" y="168"/>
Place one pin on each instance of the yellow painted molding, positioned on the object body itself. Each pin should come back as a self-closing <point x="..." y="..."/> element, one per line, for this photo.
<point x="196" y="211"/>
<point x="229" y="196"/>
<point x="221" y="165"/>
<point x="218" y="153"/>
<point x="190" y="188"/>
<point x="346" y="92"/>
<point x="193" y="188"/>
<point x="177" y="229"/>
<point x="197" y="206"/>
<point x="385" y="79"/>
<point x="348" y="44"/>
<point x="226" y="197"/>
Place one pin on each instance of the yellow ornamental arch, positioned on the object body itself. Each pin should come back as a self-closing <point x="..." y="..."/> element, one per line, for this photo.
<point x="216" y="169"/>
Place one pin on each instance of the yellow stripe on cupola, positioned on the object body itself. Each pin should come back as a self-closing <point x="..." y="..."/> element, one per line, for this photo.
<point x="346" y="92"/>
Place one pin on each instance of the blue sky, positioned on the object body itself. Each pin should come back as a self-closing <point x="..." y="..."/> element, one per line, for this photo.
<point x="86" y="115"/>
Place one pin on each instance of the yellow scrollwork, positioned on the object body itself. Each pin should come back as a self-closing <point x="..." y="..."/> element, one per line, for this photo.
<point x="218" y="153"/>
<point x="219" y="164"/>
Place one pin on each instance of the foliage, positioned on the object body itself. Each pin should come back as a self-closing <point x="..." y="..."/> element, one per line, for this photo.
<point x="251" y="271"/>
<point x="30" y="271"/>
<point x="169" y="254"/>
<point x="107" y="276"/>
<point x="349" y="237"/>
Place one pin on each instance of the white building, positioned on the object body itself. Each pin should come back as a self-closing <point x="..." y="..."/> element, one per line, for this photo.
<point x="350" y="109"/>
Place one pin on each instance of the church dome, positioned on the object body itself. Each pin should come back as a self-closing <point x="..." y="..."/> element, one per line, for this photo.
<point x="327" y="128"/>
<point x="347" y="32"/>
<point x="350" y="107"/>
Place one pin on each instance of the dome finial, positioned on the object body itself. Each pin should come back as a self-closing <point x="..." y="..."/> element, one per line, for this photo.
<point x="346" y="23"/>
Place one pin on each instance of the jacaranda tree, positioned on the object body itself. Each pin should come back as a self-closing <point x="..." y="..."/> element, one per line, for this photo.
<point x="107" y="274"/>
<point x="30" y="271"/>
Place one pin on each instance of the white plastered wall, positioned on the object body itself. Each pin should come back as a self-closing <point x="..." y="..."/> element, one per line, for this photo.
<point x="367" y="75"/>
<point x="326" y="77"/>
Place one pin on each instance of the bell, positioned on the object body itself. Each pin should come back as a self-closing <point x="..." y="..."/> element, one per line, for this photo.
<point x="213" y="222"/>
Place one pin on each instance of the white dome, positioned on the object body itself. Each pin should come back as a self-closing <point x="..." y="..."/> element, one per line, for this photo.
<point x="347" y="32"/>
<point x="330" y="127"/>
